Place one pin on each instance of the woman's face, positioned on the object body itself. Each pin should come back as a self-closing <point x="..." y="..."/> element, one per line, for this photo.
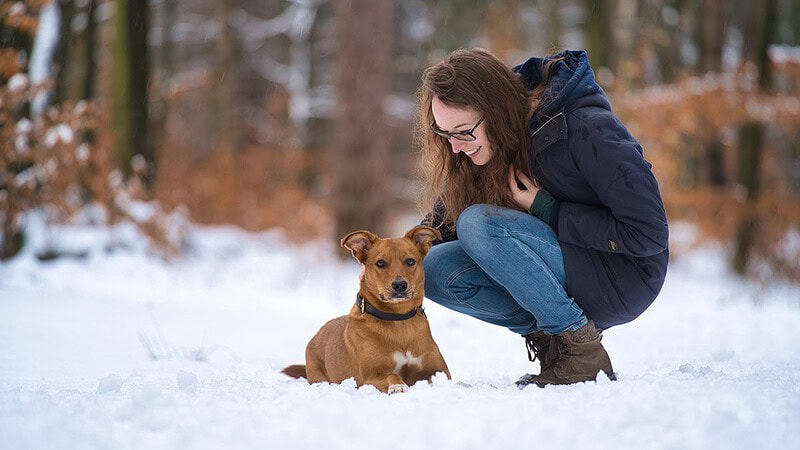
<point x="453" y="120"/>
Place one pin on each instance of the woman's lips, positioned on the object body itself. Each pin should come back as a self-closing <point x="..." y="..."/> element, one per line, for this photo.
<point x="472" y="152"/>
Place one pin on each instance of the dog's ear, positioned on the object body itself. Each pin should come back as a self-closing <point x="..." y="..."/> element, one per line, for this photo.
<point x="359" y="243"/>
<point x="423" y="237"/>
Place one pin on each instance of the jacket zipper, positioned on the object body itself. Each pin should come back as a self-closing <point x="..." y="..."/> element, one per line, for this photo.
<point x="560" y="113"/>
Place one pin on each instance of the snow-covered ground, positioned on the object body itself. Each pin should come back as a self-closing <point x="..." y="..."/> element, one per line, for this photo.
<point x="715" y="363"/>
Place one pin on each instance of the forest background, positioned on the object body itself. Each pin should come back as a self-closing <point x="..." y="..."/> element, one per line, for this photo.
<point x="299" y="114"/>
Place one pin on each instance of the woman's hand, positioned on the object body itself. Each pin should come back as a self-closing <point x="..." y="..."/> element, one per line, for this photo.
<point x="523" y="197"/>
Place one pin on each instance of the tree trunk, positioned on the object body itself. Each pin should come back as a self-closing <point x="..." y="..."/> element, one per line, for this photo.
<point x="751" y="148"/>
<point x="361" y="155"/>
<point x="598" y="32"/>
<point x="715" y="162"/>
<point x="138" y="27"/>
<point x="64" y="58"/>
<point x="131" y="84"/>
<point x="555" y="26"/>
<point x="748" y="12"/>
<point x="163" y="67"/>
<point x="90" y="36"/>
<point x="668" y="36"/>
<point x="767" y="31"/>
<point x="227" y="129"/>
<point x="713" y="35"/>
<point x="750" y="137"/>
<point x="74" y="57"/>
<point x="121" y="87"/>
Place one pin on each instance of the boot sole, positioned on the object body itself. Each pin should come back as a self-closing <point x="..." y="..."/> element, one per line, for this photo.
<point x="531" y="379"/>
<point x="525" y="380"/>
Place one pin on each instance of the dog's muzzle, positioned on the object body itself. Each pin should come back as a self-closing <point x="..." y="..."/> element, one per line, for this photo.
<point x="399" y="289"/>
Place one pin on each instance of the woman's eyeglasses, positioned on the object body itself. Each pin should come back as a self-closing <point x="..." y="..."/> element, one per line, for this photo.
<point x="460" y="135"/>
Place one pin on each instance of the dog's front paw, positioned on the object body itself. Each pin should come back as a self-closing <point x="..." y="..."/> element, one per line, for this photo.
<point x="397" y="388"/>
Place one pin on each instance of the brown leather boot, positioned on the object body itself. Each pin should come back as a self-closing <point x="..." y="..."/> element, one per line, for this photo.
<point x="538" y="346"/>
<point x="574" y="357"/>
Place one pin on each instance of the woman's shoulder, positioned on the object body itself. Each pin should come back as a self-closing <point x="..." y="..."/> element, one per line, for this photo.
<point x="595" y="120"/>
<point x="589" y="113"/>
<point x="595" y="129"/>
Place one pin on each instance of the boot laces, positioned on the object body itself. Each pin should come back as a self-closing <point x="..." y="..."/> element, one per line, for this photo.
<point x="557" y="348"/>
<point x="532" y="347"/>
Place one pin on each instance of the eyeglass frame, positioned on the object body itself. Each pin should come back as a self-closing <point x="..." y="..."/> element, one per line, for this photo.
<point x="448" y="135"/>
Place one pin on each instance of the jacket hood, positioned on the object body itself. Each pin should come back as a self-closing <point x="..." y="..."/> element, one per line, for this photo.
<point x="572" y="83"/>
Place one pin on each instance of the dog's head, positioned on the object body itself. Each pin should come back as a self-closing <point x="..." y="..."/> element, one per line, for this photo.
<point x="392" y="267"/>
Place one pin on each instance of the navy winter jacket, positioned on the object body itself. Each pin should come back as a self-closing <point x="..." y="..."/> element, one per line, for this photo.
<point x="611" y="222"/>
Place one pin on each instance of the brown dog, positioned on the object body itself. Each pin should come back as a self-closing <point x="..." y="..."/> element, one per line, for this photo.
<point x="385" y="341"/>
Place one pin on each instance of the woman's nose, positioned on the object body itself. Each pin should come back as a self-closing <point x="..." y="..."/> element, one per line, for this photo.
<point x="456" y="145"/>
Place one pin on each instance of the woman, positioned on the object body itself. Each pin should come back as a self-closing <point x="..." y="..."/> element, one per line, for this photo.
<point x="552" y="220"/>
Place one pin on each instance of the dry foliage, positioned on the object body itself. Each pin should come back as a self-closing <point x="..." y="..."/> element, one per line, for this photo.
<point x="58" y="162"/>
<point x="676" y="125"/>
<point x="255" y="188"/>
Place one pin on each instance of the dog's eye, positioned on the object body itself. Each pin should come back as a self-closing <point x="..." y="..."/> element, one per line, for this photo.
<point x="381" y="263"/>
<point x="410" y="261"/>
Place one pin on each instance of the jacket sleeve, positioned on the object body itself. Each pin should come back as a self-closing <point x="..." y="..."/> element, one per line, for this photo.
<point x="435" y="219"/>
<point x="631" y="218"/>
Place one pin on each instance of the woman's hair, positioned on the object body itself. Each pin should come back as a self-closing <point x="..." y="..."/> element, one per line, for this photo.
<point x="474" y="79"/>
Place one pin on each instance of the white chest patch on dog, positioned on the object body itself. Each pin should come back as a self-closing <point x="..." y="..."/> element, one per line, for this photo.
<point x="406" y="360"/>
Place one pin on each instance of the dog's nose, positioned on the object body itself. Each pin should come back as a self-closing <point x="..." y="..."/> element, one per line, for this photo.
<point x="399" y="286"/>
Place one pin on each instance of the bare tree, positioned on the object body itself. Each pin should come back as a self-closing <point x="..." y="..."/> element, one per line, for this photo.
<point x="131" y="84"/>
<point x="598" y="32"/>
<point x="713" y="35"/>
<point x="227" y="128"/>
<point x="555" y="26"/>
<point x="290" y="35"/>
<point x="668" y="25"/>
<point x="751" y="143"/>
<point x="361" y="155"/>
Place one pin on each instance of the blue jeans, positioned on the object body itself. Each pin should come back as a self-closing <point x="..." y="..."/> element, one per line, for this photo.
<point x="506" y="268"/>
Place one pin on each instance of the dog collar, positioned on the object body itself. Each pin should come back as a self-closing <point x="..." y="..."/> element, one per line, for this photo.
<point x="366" y="307"/>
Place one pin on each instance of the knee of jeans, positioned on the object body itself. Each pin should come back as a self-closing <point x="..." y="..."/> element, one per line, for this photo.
<point x="437" y="287"/>
<point x="433" y="290"/>
<point x="472" y="217"/>
<point x="434" y="278"/>
<point x="472" y="224"/>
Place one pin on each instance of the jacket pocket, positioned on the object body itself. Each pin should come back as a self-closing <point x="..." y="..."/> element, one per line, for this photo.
<point x="628" y="280"/>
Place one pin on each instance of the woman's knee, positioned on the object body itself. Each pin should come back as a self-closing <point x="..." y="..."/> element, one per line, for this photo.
<point x="444" y="265"/>
<point x="473" y="222"/>
<point x="435" y="267"/>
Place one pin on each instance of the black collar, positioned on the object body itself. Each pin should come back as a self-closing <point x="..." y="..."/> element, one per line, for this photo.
<point x="366" y="307"/>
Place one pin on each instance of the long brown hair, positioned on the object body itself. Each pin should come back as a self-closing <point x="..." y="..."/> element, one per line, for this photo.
<point x="474" y="79"/>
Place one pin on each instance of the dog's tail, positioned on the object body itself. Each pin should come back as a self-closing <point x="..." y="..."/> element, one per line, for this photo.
<point x="295" y="371"/>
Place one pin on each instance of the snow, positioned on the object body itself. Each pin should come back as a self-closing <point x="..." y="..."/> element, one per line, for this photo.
<point x="17" y="82"/>
<point x="58" y="133"/>
<point x="712" y="364"/>
<point x="23" y="130"/>
<point x="44" y="46"/>
<point x="783" y="54"/>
